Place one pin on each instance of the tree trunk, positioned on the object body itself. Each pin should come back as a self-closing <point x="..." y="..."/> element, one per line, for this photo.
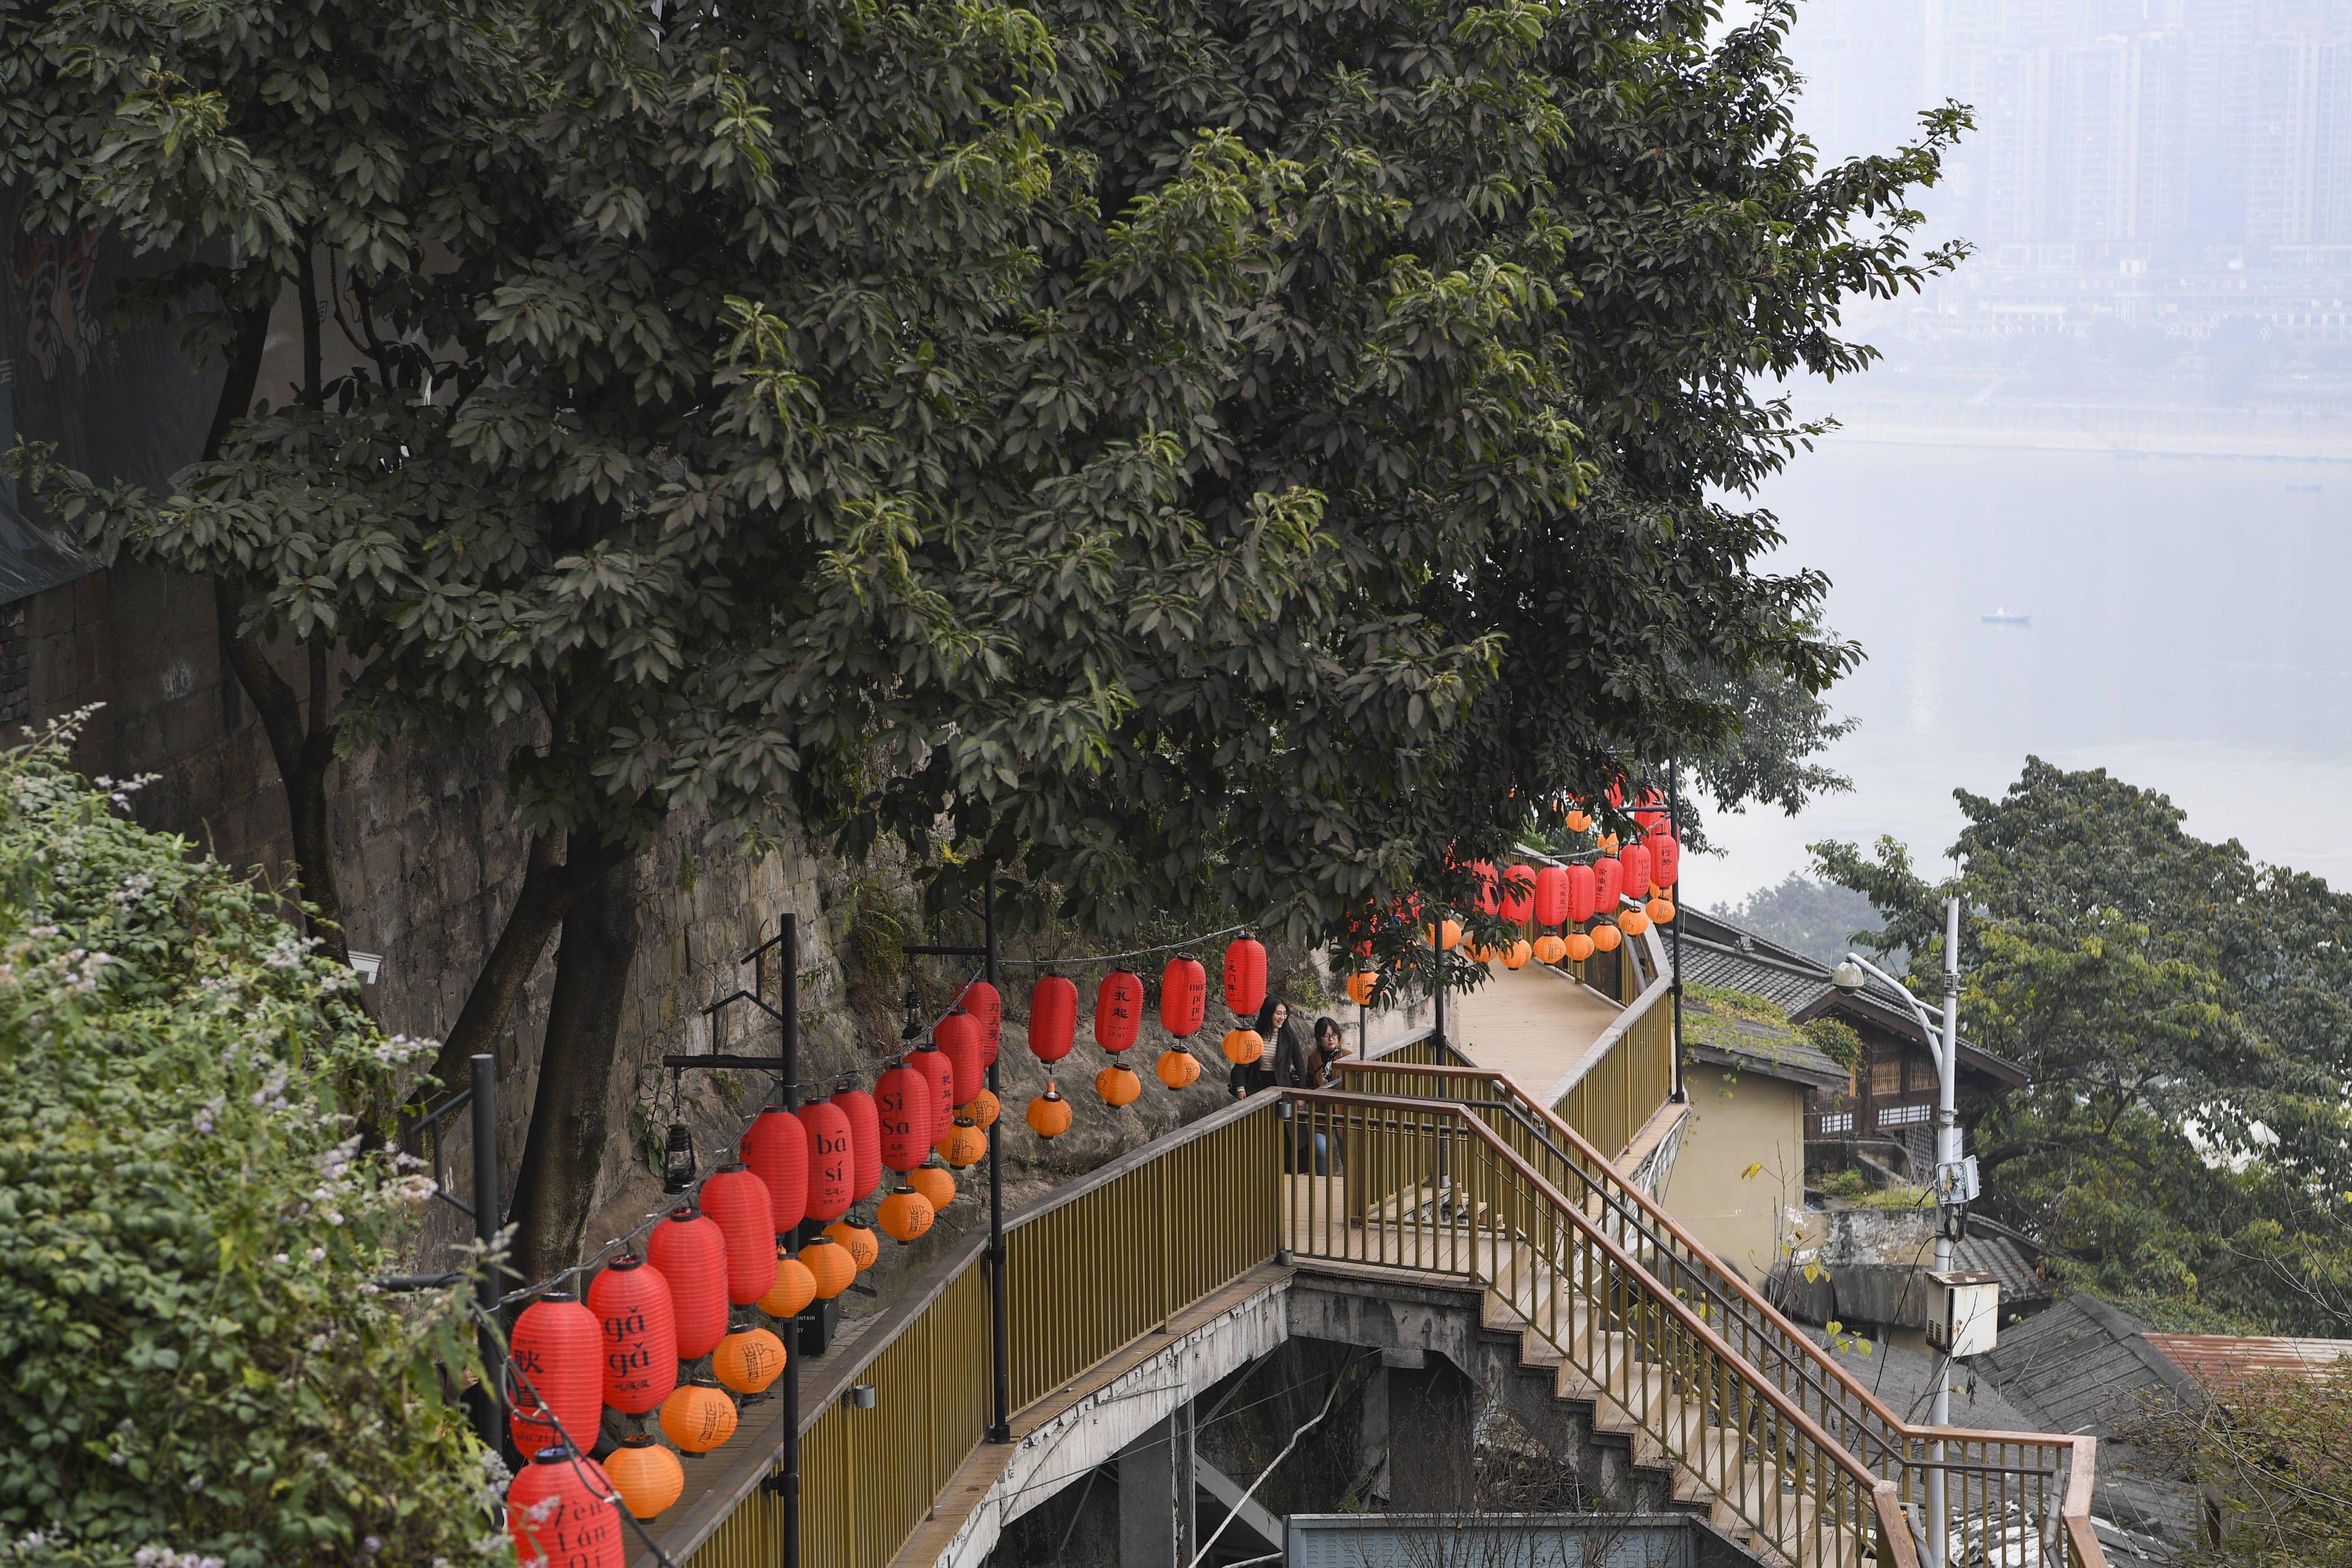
<point x="555" y="1190"/>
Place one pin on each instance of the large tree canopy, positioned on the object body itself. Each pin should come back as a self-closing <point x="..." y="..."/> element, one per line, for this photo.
<point x="2181" y="1008"/>
<point x="1202" y="454"/>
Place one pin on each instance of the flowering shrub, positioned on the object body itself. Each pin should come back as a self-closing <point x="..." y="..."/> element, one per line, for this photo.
<point x="199" y="1373"/>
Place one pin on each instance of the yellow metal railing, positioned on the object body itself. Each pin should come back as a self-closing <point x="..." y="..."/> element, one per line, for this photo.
<point x="1113" y="1256"/>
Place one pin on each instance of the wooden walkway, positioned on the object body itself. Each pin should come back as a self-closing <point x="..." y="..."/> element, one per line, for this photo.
<point x="1534" y="1025"/>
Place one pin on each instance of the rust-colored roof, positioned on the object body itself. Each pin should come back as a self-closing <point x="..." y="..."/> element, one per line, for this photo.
<point x="2219" y="1361"/>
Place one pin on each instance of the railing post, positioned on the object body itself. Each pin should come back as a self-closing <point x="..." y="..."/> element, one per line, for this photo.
<point x="1000" y="1426"/>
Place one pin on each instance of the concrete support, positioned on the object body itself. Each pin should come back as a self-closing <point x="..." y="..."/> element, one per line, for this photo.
<point x="1156" y="1523"/>
<point x="1433" y="1412"/>
<point x="1372" y="1439"/>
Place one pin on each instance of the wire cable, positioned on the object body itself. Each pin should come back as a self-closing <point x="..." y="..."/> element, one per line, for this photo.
<point x="574" y="1453"/>
<point x="1085" y="959"/>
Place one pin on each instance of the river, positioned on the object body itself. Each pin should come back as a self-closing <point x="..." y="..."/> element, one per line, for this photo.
<point x="2190" y="632"/>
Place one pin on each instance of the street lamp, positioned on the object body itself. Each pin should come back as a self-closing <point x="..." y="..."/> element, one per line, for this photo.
<point x="1851" y="977"/>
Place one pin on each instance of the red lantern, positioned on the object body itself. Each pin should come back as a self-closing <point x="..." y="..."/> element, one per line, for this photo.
<point x="1635" y="860"/>
<point x="776" y="1148"/>
<point x="1518" y="900"/>
<point x="1484" y="900"/>
<point x="1183" y="995"/>
<point x="986" y="1005"/>
<point x="1118" y="1009"/>
<point x="902" y="1101"/>
<point x="1551" y="895"/>
<point x="560" y="1511"/>
<point x="1246" y="976"/>
<point x="1583" y="892"/>
<point x="738" y="1200"/>
<point x="958" y="1038"/>
<point x="1608" y="882"/>
<point x="932" y="1064"/>
<point x="831" y="1165"/>
<point x="690" y="1250"/>
<point x="557" y="1354"/>
<point x="1052" y="1017"/>
<point x="631" y="1304"/>
<point x="865" y="1139"/>
<point x="1668" y="852"/>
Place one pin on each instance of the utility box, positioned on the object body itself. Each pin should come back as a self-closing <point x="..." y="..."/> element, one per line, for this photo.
<point x="1963" y="1310"/>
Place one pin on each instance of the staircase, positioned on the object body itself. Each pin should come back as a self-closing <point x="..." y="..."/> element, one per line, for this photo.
<point x="1714" y="1390"/>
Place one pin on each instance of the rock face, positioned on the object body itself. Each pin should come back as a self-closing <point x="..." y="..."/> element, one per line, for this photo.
<point x="1869" y="1266"/>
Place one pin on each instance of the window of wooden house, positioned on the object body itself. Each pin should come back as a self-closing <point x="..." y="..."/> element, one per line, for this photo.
<point x="1919" y="1073"/>
<point x="1886" y="1073"/>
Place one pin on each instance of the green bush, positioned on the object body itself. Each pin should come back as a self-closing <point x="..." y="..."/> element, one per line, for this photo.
<point x="1835" y="1039"/>
<point x="199" y="1371"/>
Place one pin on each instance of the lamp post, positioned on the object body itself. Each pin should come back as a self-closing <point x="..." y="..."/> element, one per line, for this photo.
<point x="1945" y="1046"/>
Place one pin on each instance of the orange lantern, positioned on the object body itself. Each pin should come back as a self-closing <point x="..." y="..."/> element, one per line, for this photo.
<point x="1049" y="1113"/>
<point x="982" y="1108"/>
<point x="905" y="1214"/>
<point x="1550" y="949"/>
<point x="1515" y="956"/>
<point x="863" y="1249"/>
<point x="1606" y="938"/>
<point x="965" y="1144"/>
<point x="1183" y="995"/>
<point x="699" y="1416"/>
<point x="830" y="1265"/>
<point x="794" y="1288"/>
<point x="747" y="1360"/>
<point x="1446" y="935"/>
<point x="935" y="1184"/>
<point x="1117" y="1085"/>
<point x="1632" y="923"/>
<point x="1661" y="910"/>
<point x="646" y="1475"/>
<point x="1362" y="984"/>
<point x="1177" y="1068"/>
<point x="1577" y="820"/>
<point x="1243" y="1046"/>
<point x="1578" y="946"/>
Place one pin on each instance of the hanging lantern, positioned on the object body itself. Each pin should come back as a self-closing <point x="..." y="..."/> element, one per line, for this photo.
<point x="632" y="1308"/>
<point x="1583" y="893"/>
<point x="1608" y="844"/>
<point x="690" y="1250"/>
<point x="699" y="1417"/>
<point x="1362" y="984"/>
<point x="1515" y="956"/>
<point x="559" y="1510"/>
<point x="935" y="1184"/>
<point x="1550" y="949"/>
<point x="1177" y="1068"/>
<point x="678" y="1159"/>
<point x="1518" y="900"/>
<point x="958" y="1038"/>
<point x="1052" y="1017"/>
<point x="738" y="1201"/>
<point x="982" y="1108"/>
<point x="986" y="1007"/>
<point x="902" y="1111"/>
<point x="1632" y="923"/>
<point x="830" y="1265"/>
<point x="795" y="1286"/>
<point x="1243" y="1046"/>
<point x="775" y="1147"/>
<point x="965" y="1144"/>
<point x="864" y="1138"/>
<point x="1606" y="938"/>
<point x="557" y="1354"/>
<point x="864" y="1250"/>
<point x="1049" y="1113"/>
<point x="747" y="1360"/>
<point x="905" y="1214"/>
<point x="1661" y="910"/>
<point x="1446" y="933"/>
<point x="646" y="1475"/>
<point x="1245" y="976"/>
<point x="939" y="1105"/>
<point x="1635" y="860"/>
<point x="1483" y="899"/>
<point x="1666" y="855"/>
<point x="1551" y="895"/>
<point x="1608" y="882"/>
<point x="1579" y="946"/>
<point x="1650" y="812"/>
<point x="1117" y="1085"/>
<point x="1578" y="819"/>
<point x="830" y="1162"/>
<point x="1183" y="995"/>
<point x="1119" y="1010"/>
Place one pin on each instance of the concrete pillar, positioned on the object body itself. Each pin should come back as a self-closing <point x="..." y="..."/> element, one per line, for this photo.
<point x="1372" y="1437"/>
<point x="1156" y="1525"/>
<point x="1431" y="1408"/>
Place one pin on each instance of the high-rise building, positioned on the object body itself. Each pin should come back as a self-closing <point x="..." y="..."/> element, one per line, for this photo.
<point x="2282" y="152"/>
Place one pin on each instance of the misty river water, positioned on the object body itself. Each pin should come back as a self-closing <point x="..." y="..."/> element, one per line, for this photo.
<point x="2190" y="632"/>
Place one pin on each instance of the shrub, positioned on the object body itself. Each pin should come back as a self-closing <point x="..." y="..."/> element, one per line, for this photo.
<point x="199" y="1369"/>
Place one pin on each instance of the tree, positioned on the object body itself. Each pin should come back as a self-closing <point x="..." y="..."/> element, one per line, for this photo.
<point x="1193" y="455"/>
<point x="2177" y="1005"/>
<point x="2273" y="1457"/>
<point x="200" y="1368"/>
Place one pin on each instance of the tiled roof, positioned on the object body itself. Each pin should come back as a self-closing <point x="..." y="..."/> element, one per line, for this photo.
<point x="1773" y="1048"/>
<point x="2219" y="1362"/>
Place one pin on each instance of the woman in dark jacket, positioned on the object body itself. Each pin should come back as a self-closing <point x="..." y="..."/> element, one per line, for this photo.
<point x="1283" y="1059"/>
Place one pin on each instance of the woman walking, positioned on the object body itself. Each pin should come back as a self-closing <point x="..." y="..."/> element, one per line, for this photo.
<point x="1283" y="1062"/>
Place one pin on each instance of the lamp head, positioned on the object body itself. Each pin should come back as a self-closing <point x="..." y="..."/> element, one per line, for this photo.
<point x="1850" y="977"/>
